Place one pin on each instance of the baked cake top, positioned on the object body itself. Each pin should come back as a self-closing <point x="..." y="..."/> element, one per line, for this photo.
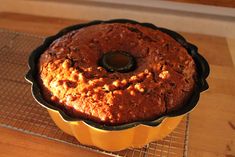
<point x="163" y="80"/>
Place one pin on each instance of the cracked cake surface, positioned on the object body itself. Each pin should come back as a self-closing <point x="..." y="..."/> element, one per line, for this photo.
<point x="70" y="76"/>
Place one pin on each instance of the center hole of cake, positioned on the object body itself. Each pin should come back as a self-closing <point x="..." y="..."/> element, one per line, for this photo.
<point x="118" y="61"/>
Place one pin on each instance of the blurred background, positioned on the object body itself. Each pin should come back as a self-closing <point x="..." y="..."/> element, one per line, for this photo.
<point x="179" y="15"/>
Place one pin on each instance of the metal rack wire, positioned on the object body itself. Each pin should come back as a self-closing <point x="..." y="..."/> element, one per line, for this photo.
<point x="19" y="111"/>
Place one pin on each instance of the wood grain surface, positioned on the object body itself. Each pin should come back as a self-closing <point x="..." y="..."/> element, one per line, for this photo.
<point x="212" y="123"/>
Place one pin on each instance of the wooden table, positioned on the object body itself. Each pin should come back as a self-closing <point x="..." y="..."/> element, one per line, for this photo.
<point x="212" y="123"/>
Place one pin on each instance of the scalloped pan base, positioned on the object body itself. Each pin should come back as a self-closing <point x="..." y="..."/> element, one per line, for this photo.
<point x="115" y="140"/>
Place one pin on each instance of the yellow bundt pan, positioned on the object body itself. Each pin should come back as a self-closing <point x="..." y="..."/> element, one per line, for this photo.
<point x="115" y="138"/>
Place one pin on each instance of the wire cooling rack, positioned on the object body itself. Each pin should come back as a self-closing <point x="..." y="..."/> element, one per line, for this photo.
<point x="19" y="111"/>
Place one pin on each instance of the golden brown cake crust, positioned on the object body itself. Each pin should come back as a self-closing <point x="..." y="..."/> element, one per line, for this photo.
<point x="163" y="80"/>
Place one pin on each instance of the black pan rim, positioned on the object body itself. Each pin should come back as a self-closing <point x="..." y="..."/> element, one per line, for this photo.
<point x="202" y="65"/>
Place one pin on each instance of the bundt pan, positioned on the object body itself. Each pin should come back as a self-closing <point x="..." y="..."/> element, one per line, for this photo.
<point x="115" y="138"/>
